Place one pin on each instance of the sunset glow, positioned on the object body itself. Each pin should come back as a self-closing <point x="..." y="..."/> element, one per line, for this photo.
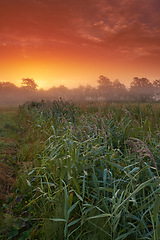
<point x="72" y="42"/>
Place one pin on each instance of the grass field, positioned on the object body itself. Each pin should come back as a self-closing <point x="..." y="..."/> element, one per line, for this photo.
<point x="87" y="171"/>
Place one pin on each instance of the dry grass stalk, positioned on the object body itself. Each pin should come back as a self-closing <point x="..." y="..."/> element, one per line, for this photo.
<point x="141" y="148"/>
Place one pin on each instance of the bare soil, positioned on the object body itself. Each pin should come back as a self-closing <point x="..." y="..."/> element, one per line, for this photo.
<point x="7" y="179"/>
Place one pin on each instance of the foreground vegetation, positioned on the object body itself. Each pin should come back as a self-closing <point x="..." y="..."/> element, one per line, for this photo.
<point x="86" y="172"/>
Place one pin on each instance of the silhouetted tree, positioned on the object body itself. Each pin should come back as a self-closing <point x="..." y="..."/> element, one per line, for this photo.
<point x="104" y="88"/>
<point x="29" y="84"/>
<point x="141" y="89"/>
<point x="104" y="82"/>
<point x="119" y="91"/>
<point x="7" y="86"/>
<point x="9" y="93"/>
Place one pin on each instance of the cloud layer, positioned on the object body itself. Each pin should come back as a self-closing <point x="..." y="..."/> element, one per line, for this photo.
<point x="97" y="21"/>
<point x="114" y="29"/>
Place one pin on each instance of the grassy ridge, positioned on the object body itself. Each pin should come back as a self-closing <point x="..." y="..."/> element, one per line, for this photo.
<point x="88" y="172"/>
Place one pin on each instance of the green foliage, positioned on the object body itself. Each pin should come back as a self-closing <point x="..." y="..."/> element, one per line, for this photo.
<point x="88" y="172"/>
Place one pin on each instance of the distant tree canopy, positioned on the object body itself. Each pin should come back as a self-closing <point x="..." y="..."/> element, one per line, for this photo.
<point x="104" y="82"/>
<point x="7" y="86"/>
<point x="109" y="90"/>
<point x="104" y="88"/>
<point x="29" y="84"/>
<point x="141" y="89"/>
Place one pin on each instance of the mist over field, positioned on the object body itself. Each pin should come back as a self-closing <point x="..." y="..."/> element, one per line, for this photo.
<point x="141" y="89"/>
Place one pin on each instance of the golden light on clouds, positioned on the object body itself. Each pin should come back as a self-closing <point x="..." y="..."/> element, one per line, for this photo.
<point x="73" y="42"/>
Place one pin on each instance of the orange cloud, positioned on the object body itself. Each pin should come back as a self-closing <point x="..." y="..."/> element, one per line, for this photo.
<point x="82" y="37"/>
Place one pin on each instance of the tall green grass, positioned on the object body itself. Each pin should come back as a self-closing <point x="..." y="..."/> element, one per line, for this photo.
<point x="90" y="172"/>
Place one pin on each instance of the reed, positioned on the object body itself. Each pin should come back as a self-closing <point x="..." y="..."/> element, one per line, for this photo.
<point x="93" y="175"/>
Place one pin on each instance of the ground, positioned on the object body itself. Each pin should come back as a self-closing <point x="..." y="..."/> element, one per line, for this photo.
<point x="8" y="148"/>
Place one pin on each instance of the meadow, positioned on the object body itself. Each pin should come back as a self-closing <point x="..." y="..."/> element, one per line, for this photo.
<point x="84" y="171"/>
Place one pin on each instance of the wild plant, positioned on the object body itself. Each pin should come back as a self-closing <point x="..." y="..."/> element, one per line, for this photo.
<point x="96" y="175"/>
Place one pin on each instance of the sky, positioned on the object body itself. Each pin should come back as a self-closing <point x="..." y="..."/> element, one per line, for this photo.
<point x="73" y="42"/>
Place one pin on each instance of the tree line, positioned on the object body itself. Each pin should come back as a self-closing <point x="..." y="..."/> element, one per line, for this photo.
<point x="141" y="90"/>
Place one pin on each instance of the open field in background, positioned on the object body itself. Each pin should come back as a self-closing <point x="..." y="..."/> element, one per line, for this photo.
<point x="8" y="109"/>
<point x="85" y="171"/>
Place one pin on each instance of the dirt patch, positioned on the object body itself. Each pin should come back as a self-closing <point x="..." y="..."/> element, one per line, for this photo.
<point x="7" y="178"/>
<point x="7" y="169"/>
<point x="8" y="147"/>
